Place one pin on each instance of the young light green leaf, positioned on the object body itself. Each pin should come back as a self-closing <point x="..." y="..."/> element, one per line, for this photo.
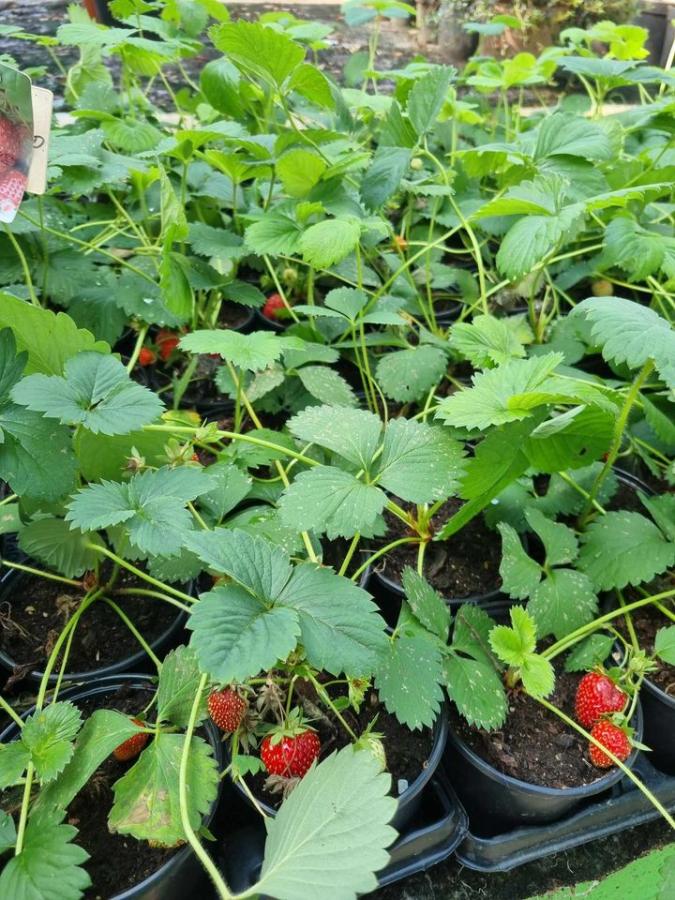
<point x="519" y="572"/>
<point x="427" y="604"/>
<point x="95" y="391"/>
<point x="146" y="803"/>
<point x="487" y="401"/>
<point x="486" y="341"/>
<point x="48" y="338"/>
<point x="622" y="548"/>
<point x="49" y="736"/>
<point x="538" y="675"/>
<point x="514" y="644"/>
<point x="330" y="241"/>
<point x="299" y="171"/>
<point x="409" y="677"/>
<point x="253" y="352"/>
<point x="258" y="49"/>
<point x="334" y="821"/>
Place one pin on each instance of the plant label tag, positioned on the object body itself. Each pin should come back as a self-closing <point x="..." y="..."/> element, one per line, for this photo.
<point x="16" y="138"/>
<point x="43" y="101"/>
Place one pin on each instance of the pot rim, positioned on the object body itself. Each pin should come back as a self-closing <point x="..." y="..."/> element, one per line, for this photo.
<point x="112" y="669"/>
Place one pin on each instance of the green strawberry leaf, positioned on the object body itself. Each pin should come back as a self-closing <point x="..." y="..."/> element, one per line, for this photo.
<point x="146" y="803"/>
<point x="48" y="735"/>
<point x="622" y="548"/>
<point x="178" y="683"/>
<point x="519" y="572"/>
<point x="308" y="841"/>
<point x="340" y="627"/>
<point x="49" y="866"/>
<point x="630" y="333"/>
<point x="95" y="391"/>
<point x="664" y="644"/>
<point x="408" y="679"/>
<point x="427" y="605"/>
<point x="62" y="549"/>
<point x="476" y="689"/>
<point x="559" y="540"/>
<point x="564" y="601"/>
<point x="328" y="500"/>
<point x="589" y="653"/>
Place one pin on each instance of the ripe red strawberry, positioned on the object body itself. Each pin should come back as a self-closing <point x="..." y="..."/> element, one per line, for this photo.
<point x="597" y="695"/>
<point x="273" y="305"/>
<point x="290" y="756"/>
<point x="611" y="737"/>
<point x="146" y="357"/>
<point x="167" y="341"/>
<point x="227" y="709"/>
<point x="132" y="746"/>
<point x="10" y="143"/>
<point x="12" y="187"/>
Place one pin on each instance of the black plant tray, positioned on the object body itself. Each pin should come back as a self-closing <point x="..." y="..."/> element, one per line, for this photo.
<point x="625" y="808"/>
<point x="433" y="835"/>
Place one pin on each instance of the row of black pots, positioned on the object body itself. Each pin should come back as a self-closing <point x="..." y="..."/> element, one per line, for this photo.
<point x="499" y="808"/>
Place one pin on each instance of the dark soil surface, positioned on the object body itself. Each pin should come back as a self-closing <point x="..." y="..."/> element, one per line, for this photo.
<point x="117" y="862"/>
<point x="464" y="565"/>
<point x="334" y="553"/>
<point x="33" y="614"/>
<point x="407" y="751"/>
<point x="534" y="745"/>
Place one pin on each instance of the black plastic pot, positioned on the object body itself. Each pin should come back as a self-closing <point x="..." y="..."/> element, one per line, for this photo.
<point x="182" y="875"/>
<point x="625" y="807"/>
<point x="11" y="581"/>
<point x="409" y="801"/>
<point x="659" y="732"/>
<point x="393" y="590"/>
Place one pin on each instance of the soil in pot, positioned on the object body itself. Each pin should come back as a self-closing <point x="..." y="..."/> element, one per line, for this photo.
<point x="34" y="611"/>
<point x="334" y="552"/>
<point x="534" y="745"/>
<point x="407" y="751"/>
<point x="465" y="565"/>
